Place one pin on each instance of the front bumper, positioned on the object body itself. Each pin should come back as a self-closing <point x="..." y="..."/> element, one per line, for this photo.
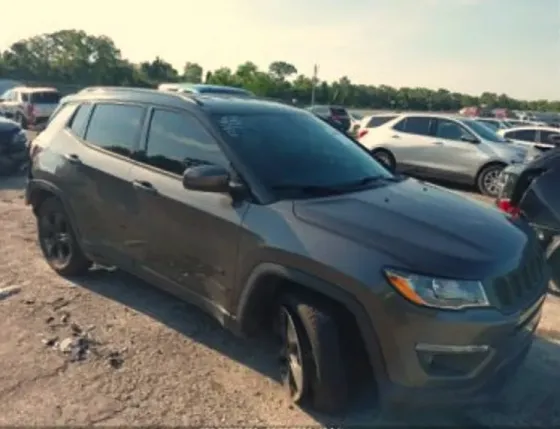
<point x="466" y="375"/>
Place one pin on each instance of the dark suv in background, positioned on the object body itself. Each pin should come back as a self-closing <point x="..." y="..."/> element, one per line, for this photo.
<point x="266" y="217"/>
<point x="336" y="115"/>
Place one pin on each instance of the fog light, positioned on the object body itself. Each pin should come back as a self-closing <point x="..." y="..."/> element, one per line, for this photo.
<point x="451" y="361"/>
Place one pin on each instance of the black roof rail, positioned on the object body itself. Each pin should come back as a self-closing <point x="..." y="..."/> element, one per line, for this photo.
<point x="185" y="96"/>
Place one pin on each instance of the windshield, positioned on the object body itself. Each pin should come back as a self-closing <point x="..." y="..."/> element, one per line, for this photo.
<point x="297" y="148"/>
<point x="484" y="131"/>
<point x="493" y="125"/>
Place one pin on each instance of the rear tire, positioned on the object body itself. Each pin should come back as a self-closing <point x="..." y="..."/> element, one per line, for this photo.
<point x="311" y="341"/>
<point x="487" y="181"/>
<point x="58" y="240"/>
<point x="385" y="157"/>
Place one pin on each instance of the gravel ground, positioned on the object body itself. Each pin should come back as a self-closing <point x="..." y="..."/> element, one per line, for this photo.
<point x="112" y="350"/>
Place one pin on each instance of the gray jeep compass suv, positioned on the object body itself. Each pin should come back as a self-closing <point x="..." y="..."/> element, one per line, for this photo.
<point x="267" y="217"/>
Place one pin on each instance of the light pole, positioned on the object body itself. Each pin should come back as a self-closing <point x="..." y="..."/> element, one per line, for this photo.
<point x="314" y="83"/>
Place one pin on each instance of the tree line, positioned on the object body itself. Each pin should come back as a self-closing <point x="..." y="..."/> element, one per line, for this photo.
<point x="75" y="57"/>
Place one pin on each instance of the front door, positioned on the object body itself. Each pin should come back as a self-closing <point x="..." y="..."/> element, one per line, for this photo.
<point x="455" y="152"/>
<point x="187" y="237"/>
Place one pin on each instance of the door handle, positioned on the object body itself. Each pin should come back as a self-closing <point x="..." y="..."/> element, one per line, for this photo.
<point x="438" y="143"/>
<point x="144" y="186"/>
<point x="395" y="136"/>
<point x="73" y="158"/>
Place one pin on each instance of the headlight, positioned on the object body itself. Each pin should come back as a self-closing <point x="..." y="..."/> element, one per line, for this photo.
<point x="437" y="292"/>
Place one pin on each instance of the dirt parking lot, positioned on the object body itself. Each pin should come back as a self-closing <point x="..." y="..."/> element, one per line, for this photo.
<point x="112" y="350"/>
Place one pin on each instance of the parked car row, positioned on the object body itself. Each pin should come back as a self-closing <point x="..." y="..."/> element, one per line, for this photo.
<point x="505" y="124"/>
<point x="437" y="146"/>
<point x="269" y="219"/>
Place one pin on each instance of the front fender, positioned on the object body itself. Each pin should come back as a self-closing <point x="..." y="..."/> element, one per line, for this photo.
<point x="37" y="190"/>
<point x="257" y="290"/>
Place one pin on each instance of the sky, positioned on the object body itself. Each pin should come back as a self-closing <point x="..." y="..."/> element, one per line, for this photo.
<point x="471" y="46"/>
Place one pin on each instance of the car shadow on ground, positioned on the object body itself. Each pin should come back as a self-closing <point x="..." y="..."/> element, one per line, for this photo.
<point x="536" y="382"/>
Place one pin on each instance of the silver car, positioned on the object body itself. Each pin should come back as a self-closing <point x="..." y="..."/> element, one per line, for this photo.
<point x="30" y="107"/>
<point x="452" y="148"/>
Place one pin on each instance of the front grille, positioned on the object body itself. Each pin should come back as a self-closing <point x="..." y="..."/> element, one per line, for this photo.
<point x="522" y="285"/>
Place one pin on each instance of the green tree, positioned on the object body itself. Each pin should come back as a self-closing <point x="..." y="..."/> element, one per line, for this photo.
<point x="281" y="70"/>
<point x="192" y="72"/>
<point x="77" y="58"/>
<point x="159" y="71"/>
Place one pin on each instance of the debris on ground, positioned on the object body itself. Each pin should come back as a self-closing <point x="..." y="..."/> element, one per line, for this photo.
<point x="9" y="291"/>
<point x="115" y="360"/>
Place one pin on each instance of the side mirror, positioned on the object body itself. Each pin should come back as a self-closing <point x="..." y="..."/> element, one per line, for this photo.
<point x="206" y="178"/>
<point x="470" y="139"/>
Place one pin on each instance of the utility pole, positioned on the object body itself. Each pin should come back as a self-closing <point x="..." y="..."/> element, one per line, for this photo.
<point x="314" y="83"/>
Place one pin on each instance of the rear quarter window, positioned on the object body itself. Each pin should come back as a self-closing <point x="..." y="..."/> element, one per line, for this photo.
<point x="79" y="121"/>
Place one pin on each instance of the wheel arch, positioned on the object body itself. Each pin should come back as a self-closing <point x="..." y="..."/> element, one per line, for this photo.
<point x="489" y="164"/>
<point x="268" y="280"/>
<point x="39" y="191"/>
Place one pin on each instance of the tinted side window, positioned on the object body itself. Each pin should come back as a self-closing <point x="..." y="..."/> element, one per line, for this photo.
<point x="523" y="135"/>
<point x="177" y="141"/>
<point x="450" y="130"/>
<point x="415" y="125"/>
<point x="79" y="122"/>
<point x="377" y="121"/>
<point x="550" y="137"/>
<point x="115" y="127"/>
<point x="48" y="97"/>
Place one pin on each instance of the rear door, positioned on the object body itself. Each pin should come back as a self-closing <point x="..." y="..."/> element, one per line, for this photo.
<point x="44" y="103"/>
<point x="97" y="165"/>
<point x="411" y="143"/>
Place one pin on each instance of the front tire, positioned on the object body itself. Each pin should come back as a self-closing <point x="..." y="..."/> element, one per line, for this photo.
<point x="313" y="367"/>
<point x="58" y="240"/>
<point x="487" y="181"/>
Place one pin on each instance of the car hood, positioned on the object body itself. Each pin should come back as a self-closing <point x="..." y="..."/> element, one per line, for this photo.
<point x="8" y="125"/>
<point x="425" y="228"/>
